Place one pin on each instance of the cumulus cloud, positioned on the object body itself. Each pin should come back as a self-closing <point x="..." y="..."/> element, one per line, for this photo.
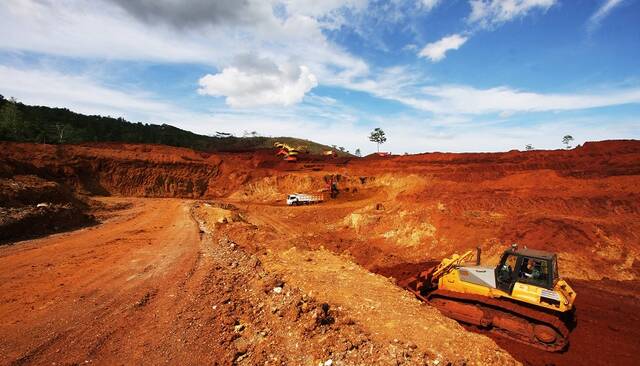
<point x="69" y="29"/>
<point x="256" y="81"/>
<point x="94" y="30"/>
<point x="489" y="13"/>
<point x="436" y="51"/>
<point x="603" y="11"/>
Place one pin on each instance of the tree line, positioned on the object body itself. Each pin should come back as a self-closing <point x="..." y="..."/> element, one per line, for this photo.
<point x="26" y="123"/>
<point x="20" y="122"/>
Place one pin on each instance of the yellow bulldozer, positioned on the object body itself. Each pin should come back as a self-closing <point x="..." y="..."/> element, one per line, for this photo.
<point x="522" y="298"/>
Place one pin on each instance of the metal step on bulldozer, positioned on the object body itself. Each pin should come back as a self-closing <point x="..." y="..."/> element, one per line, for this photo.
<point x="522" y="298"/>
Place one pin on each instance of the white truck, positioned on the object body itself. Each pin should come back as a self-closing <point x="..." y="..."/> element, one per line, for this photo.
<point x="297" y="199"/>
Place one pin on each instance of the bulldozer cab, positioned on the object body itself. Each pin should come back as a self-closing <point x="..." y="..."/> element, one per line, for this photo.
<point x="533" y="267"/>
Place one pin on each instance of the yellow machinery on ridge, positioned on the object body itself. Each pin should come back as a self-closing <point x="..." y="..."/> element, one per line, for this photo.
<point x="290" y="153"/>
<point x="522" y="298"/>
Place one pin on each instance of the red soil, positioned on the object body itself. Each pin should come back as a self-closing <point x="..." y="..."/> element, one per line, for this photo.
<point x="583" y="204"/>
<point x="607" y="331"/>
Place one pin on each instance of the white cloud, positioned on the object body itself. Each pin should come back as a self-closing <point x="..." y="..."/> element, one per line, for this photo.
<point x="453" y="99"/>
<point x="414" y="135"/>
<point x="436" y="51"/>
<point x="603" y="11"/>
<point x="429" y="4"/>
<point x="322" y="8"/>
<point x="258" y="81"/>
<point x="484" y="14"/>
<point x="411" y="88"/>
<point x="70" y="29"/>
<point x="489" y="13"/>
<point x="77" y="92"/>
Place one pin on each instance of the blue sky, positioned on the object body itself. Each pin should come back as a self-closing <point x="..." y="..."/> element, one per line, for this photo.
<point x="436" y="75"/>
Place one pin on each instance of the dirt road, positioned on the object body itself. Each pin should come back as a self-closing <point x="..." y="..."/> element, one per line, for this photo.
<point x="103" y="292"/>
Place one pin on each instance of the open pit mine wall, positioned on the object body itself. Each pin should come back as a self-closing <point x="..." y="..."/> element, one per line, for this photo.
<point x="158" y="171"/>
<point x="593" y="160"/>
<point x="130" y="171"/>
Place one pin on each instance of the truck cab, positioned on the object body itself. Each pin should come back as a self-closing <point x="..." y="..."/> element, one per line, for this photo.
<point x="293" y="199"/>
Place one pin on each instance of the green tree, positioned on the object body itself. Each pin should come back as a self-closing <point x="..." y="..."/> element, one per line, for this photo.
<point x="378" y="136"/>
<point x="358" y="153"/>
<point x="567" y="140"/>
<point x="529" y="147"/>
<point x="10" y="120"/>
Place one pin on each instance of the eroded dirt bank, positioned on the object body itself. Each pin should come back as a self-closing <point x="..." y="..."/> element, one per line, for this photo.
<point x="31" y="206"/>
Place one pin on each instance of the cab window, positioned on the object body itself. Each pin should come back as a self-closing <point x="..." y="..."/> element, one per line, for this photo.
<point x="534" y="271"/>
<point x="505" y="273"/>
<point x="510" y="263"/>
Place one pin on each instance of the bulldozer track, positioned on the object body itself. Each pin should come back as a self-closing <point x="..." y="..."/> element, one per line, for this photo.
<point x="512" y="310"/>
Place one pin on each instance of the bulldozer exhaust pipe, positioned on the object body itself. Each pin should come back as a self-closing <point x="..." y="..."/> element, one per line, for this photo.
<point x="478" y="253"/>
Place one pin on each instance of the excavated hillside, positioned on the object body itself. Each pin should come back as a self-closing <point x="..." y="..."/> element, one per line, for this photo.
<point x="392" y="215"/>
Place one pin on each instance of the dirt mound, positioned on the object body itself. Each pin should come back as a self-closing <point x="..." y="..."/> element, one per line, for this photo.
<point x="345" y="334"/>
<point x="29" y="222"/>
<point x="31" y="206"/>
<point x="21" y="190"/>
<point x="266" y="320"/>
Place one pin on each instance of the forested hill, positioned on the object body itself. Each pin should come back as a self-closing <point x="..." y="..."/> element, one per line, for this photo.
<point x="26" y="123"/>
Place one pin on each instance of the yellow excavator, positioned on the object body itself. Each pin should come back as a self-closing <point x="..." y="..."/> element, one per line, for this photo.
<point x="522" y="298"/>
<point x="290" y="153"/>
